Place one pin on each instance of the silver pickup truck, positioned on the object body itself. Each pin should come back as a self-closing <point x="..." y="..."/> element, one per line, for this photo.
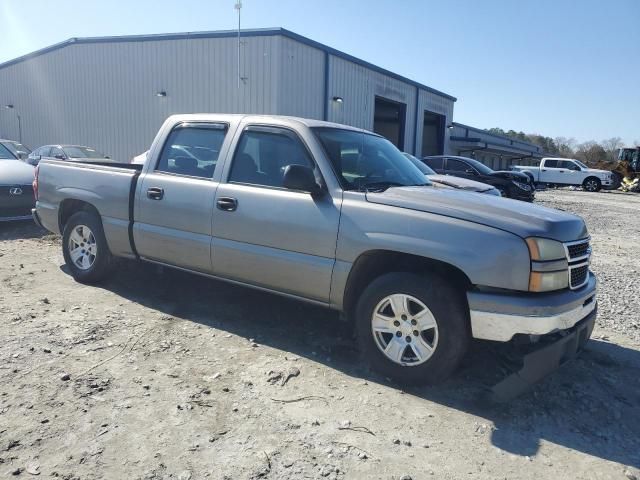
<point x="336" y="216"/>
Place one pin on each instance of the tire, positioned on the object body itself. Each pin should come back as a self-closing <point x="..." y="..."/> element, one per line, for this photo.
<point x="87" y="265"/>
<point x="449" y="339"/>
<point x="592" y="184"/>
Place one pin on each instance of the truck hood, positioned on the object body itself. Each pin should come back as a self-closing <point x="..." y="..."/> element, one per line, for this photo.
<point x="458" y="182"/>
<point x="15" y="172"/>
<point x="597" y="171"/>
<point x="520" y="218"/>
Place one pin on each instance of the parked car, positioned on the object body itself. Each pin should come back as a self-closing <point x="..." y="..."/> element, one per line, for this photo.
<point x="566" y="171"/>
<point x="510" y="184"/>
<point x="140" y="159"/>
<point x="16" y="177"/>
<point x="73" y="153"/>
<point x="338" y="217"/>
<point x="449" y="181"/>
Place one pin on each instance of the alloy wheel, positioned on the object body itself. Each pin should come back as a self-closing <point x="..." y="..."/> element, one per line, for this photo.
<point x="82" y="247"/>
<point x="404" y="329"/>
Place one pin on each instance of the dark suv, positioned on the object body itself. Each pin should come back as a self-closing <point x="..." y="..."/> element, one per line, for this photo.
<point x="511" y="184"/>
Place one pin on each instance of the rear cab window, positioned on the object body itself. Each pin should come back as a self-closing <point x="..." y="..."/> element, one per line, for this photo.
<point x="192" y="150"/>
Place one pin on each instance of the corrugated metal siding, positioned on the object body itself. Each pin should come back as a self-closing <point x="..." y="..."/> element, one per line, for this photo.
<point x="104" y="95"/>
<point x="358" y="86"/>
<point x="301" y="80"/>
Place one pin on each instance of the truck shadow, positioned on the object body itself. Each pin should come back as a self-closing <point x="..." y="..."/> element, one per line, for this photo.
<point x="22" y="229"/>
<point x="590" y="405"/>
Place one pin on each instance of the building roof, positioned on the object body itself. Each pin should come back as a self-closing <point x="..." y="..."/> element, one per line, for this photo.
<point x="478" y="139"/>
<point x="223" y="34"/>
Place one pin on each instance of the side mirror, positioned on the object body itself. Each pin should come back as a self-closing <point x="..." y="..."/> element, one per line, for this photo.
<point x="22" y="155"/>
<point x="470" y="171"/>
<point x="107" y="156"/>
<point x="300" y="177"/>
<point x="59" y="156"/>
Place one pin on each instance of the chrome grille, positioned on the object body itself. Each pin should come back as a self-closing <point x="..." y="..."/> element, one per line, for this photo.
<point x="578" y="250"/>
<point x="579" y="276"/>
<point x="579" y="257"/>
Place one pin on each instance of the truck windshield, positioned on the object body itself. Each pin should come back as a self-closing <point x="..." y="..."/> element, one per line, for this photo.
<point x="364" y="161"/>
<point x="582" y="165"/>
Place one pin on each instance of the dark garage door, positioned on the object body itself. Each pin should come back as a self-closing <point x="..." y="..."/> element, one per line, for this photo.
<point x="389" y="120"/>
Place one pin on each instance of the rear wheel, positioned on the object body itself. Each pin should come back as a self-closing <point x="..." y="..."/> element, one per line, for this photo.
<point x="592" y="184"/>
<point x="412" y="328"/>
<point x="85" y="248"/>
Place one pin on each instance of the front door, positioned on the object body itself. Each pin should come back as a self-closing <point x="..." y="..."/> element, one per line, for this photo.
<point x="269" y="236"/>
<point x="174" y="200"/>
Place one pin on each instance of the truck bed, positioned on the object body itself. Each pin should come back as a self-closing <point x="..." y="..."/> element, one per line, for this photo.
<point x="109" y="187"/>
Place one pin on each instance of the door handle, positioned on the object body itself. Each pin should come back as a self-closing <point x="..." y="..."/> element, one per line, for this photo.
<point x="227" y="204"/>
<point x="155" y="193"/>
<point x="543" y="170"/>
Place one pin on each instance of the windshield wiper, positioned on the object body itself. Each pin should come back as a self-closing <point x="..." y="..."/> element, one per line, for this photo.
<point x="382" y="186"/>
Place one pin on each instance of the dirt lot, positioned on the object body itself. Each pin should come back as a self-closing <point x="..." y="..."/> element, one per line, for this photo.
<point x="165" y="375"/>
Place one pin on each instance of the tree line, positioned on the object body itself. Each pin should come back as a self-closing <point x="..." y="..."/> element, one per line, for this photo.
<point x="590" y="152"/>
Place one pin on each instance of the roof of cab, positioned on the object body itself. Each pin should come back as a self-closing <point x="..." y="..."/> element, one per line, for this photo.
<point x="308" y="122"/>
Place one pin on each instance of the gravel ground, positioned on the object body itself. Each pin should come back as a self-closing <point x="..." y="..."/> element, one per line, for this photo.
<point x="164" y="375"/>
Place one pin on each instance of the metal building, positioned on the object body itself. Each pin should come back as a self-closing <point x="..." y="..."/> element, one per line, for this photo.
<point x="113" y="93"/>
<point x="495" y="151"/>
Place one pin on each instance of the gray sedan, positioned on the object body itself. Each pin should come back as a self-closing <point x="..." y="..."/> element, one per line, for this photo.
<point x="16" y="177"/>
<point x="452" y="182"/>
<point x="67" y="152"/>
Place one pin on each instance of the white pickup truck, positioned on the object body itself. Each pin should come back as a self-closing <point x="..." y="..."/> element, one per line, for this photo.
<point x="567" y="171"/>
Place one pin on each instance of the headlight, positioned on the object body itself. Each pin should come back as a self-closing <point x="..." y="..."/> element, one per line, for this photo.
<point x="549" y="266"/>
<point x="544" y="249"/>
<point x="522" y="186"/>
<point x="493" y="191"/>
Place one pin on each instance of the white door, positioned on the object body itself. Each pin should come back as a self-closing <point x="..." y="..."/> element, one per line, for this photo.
<point x="550" y="172"/>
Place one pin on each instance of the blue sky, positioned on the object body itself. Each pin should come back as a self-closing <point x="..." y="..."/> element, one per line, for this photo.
<point x="554" y="67"/>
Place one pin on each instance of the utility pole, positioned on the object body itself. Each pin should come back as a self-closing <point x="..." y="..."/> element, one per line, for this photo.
<point x="11" y="107"/>
<point x="238" y="6"/>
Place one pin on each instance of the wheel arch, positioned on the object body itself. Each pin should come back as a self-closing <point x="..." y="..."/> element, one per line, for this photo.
<point x="373" y="263"/>
<point x="70" y="206"/>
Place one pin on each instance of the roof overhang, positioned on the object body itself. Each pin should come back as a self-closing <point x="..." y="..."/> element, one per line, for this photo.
<point x="474" y="144"/>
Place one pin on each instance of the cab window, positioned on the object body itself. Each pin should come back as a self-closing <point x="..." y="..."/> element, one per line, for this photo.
<point x="263" y="153"/>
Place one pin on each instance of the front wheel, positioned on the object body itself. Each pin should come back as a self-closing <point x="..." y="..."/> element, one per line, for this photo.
<point x="592" y="184"/>
<point x="412" y="328"/>
<point x="85" y="248"/>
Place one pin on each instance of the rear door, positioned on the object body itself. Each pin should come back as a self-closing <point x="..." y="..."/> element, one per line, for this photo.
<point x="174" y="199"/>
<point x="551" y="172"/>
<point x="264" y="234"/>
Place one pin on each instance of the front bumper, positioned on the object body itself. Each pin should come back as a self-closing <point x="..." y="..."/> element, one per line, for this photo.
<point x="501" y="316"/>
